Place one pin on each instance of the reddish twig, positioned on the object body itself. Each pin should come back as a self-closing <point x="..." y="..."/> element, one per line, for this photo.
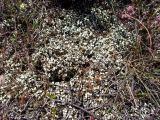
<point x="149" y="35"/>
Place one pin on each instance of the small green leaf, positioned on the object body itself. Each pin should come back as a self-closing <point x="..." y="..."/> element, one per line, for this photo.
<point x="142" y="94"/>
<point x="109" y="110"/>
<point x="51" y="96"/>
<point x="35" y="24"/>
<point x="54" y="111"/>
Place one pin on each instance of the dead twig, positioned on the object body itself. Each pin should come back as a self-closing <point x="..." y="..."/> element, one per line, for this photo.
<point x="84" y="110"/>
<point x="149" y="35"/>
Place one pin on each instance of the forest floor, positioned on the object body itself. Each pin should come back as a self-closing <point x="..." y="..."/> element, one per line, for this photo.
<point x="80" y="60"/>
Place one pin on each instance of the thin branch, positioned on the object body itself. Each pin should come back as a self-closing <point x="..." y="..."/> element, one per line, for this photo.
<point x="26" y="105"/>
<point x="150" y="38"/>
<point x="84" y="110"/>
<point x="131" y="94"/>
